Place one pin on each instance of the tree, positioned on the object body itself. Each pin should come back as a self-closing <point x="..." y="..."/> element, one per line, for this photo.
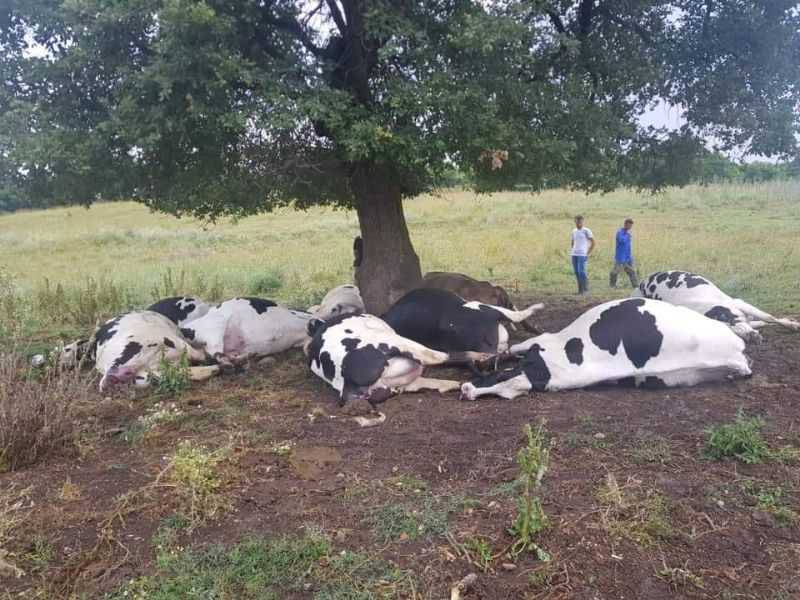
<point x="226" y="107"/>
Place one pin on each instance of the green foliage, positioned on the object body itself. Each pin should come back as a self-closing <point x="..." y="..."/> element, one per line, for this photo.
<point x="173" y="377"/>
<point x="771" y="499"/>
<point x="741" y="440"/>
<point x="411" y="520"/>
<point x="198" y="478"/>
<point x="533" y="461"/>
<point x="265" y="569"/>
<point x="212" y="108"/>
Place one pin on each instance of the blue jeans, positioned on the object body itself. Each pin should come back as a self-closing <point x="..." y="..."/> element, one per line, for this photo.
<point x="579" y="266"/>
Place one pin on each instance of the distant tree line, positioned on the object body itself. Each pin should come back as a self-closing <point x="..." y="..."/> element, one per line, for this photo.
<point x="712" y="167"/>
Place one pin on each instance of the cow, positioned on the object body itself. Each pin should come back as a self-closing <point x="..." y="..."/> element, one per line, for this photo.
<point x="130" y="348"/>
<point x="341" y="300"/>
<point x="363" y="358"/>
<point x="699" y="294"/>
<point x="443" y="321"/>
<point x="243" y="328"/>
<point x="181" y="310"/>
<point x="471" y="289"/>
<point x="644" y="342"/>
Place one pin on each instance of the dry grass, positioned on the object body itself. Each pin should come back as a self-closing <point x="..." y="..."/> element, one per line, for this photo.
<point x="70" y="266"/>
<point x="37" y="411"/>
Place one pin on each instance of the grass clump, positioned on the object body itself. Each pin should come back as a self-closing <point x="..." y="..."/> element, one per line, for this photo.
<point x="37" y="411"/>
<point x="407" y="522"/>
<point x="533" y="461"/>
<point x="158" y="414"/>
<point x="632" y="512"/>
<point x="651" y="450"/>
<point x="173" y="378"/>
<point x="770" y="499"/>
<point x="741" y="439"/>
<point x="269" y="569"/>
<point x="197" y="474"/>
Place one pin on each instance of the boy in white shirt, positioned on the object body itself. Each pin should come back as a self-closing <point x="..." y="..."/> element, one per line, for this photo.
<point x="582" y="246"/>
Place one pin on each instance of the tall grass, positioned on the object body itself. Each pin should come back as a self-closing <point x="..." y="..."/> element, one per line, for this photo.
<point x="68" y="267"/>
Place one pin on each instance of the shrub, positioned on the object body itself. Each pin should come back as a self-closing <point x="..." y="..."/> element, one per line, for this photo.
<point x="196" y="473"/>
<point x="173" y="378"/>
<point x="741" y="440"/>
<point x="533" y="461"/>
<point x="36" y="412"/>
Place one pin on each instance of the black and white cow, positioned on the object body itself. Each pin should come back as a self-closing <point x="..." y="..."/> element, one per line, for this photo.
<point x="181" y="310"/>
<point x="341" y="300"/>
<point x="441" y="320"/>
<point x="363" y="358"/>
<point x="244" y="328"/>
<point x="699" y="294"/>
<point x="130" y="348"/>
<point x="645" y="342"/>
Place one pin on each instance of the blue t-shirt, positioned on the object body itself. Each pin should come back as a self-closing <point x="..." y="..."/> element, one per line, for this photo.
<point x="623" y="253"/>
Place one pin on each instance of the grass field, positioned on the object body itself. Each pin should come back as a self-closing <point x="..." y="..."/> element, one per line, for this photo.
<point x="115" y="256"/>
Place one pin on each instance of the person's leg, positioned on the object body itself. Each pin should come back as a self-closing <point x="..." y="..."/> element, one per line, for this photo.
<point x="630" y="269"/>
<point x="583" y="282"/>
<point x="576" y="269"/>
<point x="612" y="277"/>
<point x="585" y="274"/>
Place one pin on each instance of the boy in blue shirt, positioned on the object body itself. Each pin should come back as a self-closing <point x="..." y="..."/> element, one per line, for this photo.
<point x="623" y="257"/>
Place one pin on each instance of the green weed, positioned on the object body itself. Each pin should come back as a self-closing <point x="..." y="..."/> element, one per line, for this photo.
<point x="197" y="475"/>
<point x="173" y="378"/>
<point x="405" y="521"/>
<point x="633" y="512"/>
<point x="533" y="461"/>
<point x="770" y="499"/>
<point x="741" y="440"/>
<point x="651" y="449"/>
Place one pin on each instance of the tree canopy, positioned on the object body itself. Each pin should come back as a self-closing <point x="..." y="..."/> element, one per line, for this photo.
<point x="231" y="107"/>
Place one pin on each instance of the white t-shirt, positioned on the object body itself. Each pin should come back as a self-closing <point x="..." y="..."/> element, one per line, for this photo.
<point x="580" y="241"/>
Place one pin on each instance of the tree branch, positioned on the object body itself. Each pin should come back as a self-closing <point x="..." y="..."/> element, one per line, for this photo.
<point x="633" y="26"/>
<point x="336" y="14"/>
<point x="294" y="28"/>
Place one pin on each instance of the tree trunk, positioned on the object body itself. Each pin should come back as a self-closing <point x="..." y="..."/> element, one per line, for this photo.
<point x="389" y="266"/>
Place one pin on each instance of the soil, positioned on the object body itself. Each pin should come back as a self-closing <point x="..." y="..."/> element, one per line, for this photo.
<point x="298" y="459"/>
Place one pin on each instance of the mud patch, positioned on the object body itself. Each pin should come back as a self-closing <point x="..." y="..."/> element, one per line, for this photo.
<point x="312" y="461"/>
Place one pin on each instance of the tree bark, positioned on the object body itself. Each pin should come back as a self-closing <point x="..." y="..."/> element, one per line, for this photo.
<point x="389" y="267"/>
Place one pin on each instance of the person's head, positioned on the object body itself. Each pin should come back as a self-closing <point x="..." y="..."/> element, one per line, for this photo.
<point x="578" y="221"/>
<point x="628" y="224"/>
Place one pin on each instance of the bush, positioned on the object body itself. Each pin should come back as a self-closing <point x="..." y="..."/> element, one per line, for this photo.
<point x="741" y="440"/>
<point x="36" y="411"/>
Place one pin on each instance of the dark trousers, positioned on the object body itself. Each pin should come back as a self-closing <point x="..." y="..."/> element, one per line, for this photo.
<point x="629" y="269"/>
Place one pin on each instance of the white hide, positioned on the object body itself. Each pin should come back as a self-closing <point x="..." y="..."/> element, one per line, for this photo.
<point x="693" y="349"/>
<point x="341" y="300"/>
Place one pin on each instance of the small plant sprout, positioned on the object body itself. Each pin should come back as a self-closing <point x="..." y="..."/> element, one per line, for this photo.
<point x="533" y="461"/>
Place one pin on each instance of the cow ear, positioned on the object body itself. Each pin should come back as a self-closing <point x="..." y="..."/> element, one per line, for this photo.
<point x="313" y="326"/>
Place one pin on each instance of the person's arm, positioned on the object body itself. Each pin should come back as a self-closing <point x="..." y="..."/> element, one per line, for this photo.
<point x="591" y="246"/>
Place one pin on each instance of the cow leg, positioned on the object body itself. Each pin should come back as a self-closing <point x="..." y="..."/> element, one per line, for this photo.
<point x="515" y="316"/>
<point x="203" y="373"/>
<point x="752" y="311"/>
<point x="745" y="331"/>
<point x="756" y="324"/>
<point x="509" y="389"/>
<point x="425" y="383"/>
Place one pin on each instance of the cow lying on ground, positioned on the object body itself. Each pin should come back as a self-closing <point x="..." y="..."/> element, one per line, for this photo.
<point x="245" y="328"/>
<point x="341" y="300"/>
<point x="130" y="348"/>
<point x="441" y="320"/>
<point x="645" y="342"/>
<point x="363" y="358"/>
<point x="699" y="294"/>
<point x="471" y="289"/>
<point x="181" y="310"/>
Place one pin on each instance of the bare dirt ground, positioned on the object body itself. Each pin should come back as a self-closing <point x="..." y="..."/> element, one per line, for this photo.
<point x="681" y="525"/>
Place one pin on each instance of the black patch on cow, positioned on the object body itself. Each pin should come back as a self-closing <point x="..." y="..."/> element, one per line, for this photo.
<point x="350" y="344"/>
<point x="131" y="349"/>
<point x="106" y="331"/>
<point x="260" y="305"/>
<point x="691" y="280"/>
<point x="574" y="350"/>
<point x="652" y="288"/>
<point x="314" y="348"/>
<point x="535" y="368"/>
<point x="720" y="313"/>
<point x="171" y="308"/>
<point x="497" y="377"/>
<point x="348" y="331"/>
<point x="676" y="279"/>
<point x="187" y="332"/>
<point x="152" y="345"/>
<point x="328" y="367"/>
<point x="439" y="320"/>
<point x="169" y="343"/>
<point x="625" y="324"/>
<point x="363" y="366"/>
<point x="660" y="277"/>
<point x="651" y="382"/>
